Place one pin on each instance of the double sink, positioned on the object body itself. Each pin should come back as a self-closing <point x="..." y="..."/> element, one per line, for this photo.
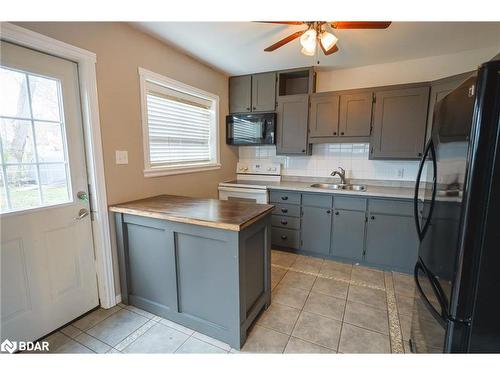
<point x="340" y="187"/>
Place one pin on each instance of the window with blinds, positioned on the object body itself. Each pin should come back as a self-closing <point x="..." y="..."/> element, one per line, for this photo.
<point x="180" y="125"/>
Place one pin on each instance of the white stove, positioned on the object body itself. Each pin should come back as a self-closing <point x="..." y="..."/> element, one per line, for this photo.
<point x="251" y="182"/>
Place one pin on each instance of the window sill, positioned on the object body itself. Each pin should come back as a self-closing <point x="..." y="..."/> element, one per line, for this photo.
<point x="158" y="172"/>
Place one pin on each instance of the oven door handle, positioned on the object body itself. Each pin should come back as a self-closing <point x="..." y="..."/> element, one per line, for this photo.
<point x="242" y="190"/>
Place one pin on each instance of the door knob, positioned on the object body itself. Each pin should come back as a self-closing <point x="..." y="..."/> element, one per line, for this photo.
<point x="82" y="213"/>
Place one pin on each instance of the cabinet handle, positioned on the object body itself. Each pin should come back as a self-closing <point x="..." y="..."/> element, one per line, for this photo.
<point x="284" y="198"/>
<point x="419" y="154"/>
<point x="283" y="237"/>
<point x="334" y="133"/>
<point x="373" y="218"/>
<point x="284" y="222"/>
<point x="303" y="150"/>
<point x="248" y="108"/>
<point x="336" y="213"/>
<point x="342" y="133"/>
<point x="328" y="211"/>
<point x="284" y="210"/>
<point x="254" y="108"/>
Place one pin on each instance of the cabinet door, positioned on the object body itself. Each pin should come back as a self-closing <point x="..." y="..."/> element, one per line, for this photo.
<point x="438" y="91"/>
<point x="355" y="114"/>
<point x="324" y="116"/>
<point x="348" y="234"/>
<point x="292" y="114"/>
<point x="316" y="226"/>
<point x="264" y="92"/>
<point x="399" y="124"/>
<point x="240" y="90"/>
<point x="391" y="241"/>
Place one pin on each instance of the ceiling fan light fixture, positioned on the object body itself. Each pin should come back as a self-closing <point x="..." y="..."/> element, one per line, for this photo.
<point x="308" y="40"/>
<point x="327" y="40"/>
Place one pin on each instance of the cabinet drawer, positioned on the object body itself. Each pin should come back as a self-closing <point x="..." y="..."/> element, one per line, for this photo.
<point x="284" y="197"/>
<point x="286" y="209"/>
<point x="285" y="237"/>
<point x="348" y="203"/>
<point x="285" y="222"/>
<point x="317" y="200"/>
<point x="395" y="207"/>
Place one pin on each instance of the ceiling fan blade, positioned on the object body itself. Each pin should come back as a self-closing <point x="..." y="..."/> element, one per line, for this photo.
<point x="283" y="22"/>
<point x="360" y="25"/>
<point x="284" y="41"/>
<point x="330" y="51"/>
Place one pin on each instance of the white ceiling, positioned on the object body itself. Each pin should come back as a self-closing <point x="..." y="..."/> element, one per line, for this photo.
<point x="238" y="47"/>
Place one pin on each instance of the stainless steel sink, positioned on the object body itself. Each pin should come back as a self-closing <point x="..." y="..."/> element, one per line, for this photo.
<point x="329" y="186"/>
<point x="340" y="187"/>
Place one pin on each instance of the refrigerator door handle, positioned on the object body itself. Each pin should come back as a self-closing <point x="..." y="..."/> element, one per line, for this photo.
<point x="440" y="317"/>
<point x="422" y="230"/>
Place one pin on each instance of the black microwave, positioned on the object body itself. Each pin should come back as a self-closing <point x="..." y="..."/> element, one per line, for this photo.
<point x="251" y="129"/>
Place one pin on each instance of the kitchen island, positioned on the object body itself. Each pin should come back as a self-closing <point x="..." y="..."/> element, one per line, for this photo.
<point x="202" y="263"/>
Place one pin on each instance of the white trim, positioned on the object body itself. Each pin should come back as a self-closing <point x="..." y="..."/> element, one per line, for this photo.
<point x="149" y="171"/>
<point x="118" y="298"/>
<point x="86" y="61"/>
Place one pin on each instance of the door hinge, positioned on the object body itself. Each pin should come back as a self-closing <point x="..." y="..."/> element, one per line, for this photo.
<point x="91" y="209"/>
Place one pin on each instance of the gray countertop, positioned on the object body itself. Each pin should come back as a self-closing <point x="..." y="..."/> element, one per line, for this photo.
<point x="371" y="191"/>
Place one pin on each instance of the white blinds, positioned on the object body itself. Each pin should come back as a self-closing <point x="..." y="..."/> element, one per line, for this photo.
<point x="179" y="128"/>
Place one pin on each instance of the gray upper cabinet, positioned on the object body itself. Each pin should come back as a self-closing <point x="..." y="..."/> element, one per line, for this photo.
<point x="252" y="93"/>
<point x="324" y="116"/>
<point x="316" y="227"/>
<point x="240" y="98"/>
<point x="439" y="89"/>
<point x="292" y="115"/>
<point x="264" y="92"/>
<point x="355" y="115"/>
<point x="400" y="118"/>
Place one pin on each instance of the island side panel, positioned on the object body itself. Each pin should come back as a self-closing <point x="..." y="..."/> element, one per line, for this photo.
<point x="148" y="254"/>
<point x="255" y="271"/>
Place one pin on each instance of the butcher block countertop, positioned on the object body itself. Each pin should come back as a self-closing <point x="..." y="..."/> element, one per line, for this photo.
<point x="213" y="213"/>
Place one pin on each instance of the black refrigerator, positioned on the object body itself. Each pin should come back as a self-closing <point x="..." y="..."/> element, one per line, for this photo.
<point x="457" y="215"/>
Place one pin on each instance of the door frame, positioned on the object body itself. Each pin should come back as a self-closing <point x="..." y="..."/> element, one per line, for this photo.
<point x="86" y="61"/>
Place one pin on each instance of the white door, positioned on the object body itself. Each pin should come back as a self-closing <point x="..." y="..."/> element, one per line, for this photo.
<point x="48" y="275"/>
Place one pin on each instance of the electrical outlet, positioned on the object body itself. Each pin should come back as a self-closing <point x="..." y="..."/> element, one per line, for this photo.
<point x="121" y="157"/>
<point x="401" y="172"/>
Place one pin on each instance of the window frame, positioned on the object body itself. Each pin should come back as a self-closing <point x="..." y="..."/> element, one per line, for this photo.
<point x="146" y="76"/>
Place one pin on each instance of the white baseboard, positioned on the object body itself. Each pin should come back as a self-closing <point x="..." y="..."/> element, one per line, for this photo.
<point x="118" y="298"/>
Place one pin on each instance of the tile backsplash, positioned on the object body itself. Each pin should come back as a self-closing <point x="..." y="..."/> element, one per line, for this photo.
<point x="325" y="158"/>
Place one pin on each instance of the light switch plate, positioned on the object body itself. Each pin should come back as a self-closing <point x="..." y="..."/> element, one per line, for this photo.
<point x="121" y="157"/>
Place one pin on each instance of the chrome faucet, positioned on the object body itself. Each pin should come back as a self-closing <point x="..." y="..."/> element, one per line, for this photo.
<point x="341" y="174"/>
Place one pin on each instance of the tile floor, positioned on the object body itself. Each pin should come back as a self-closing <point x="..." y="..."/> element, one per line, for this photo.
<point x="318" y="306"/>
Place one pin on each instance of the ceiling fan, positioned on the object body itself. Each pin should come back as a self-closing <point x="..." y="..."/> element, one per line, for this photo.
<point x="319" y="32"/>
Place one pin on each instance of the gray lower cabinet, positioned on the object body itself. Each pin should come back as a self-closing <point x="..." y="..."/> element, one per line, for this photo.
<point x="316" y="228"/>
<point x="240" y="94"/>
<point x="292" y="116"/>
<point x="211" y="280"/>
<point x="391" y="237"/>
<point x="399" y="123"/>
<point x="264" y="92"/>
<point x="348" y="234"/>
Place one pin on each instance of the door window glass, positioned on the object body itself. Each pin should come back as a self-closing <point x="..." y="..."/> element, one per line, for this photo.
<point x="34" y="170"/>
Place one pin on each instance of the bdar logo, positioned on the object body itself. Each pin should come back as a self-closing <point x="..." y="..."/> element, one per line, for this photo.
<point x="8" y="346"/>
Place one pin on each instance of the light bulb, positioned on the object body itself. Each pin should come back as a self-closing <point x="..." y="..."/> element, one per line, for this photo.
<point x="308" y="40"/>
<point x="327" y="40"/>
<point x="308" y="52"/>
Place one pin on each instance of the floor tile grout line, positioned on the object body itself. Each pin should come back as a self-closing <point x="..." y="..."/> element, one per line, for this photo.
<point x="343" y="317"/>
<point x="73" y="339"/>
<point x="395" y="334"/>
<point x="131" y="333"/>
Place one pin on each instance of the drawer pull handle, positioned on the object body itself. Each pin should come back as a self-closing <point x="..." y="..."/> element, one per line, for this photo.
<point x="284" y="198"/>
<point x="373" y="217"/>
<point x="283" y="237"/>
<point x="328" y="211"/>
<point x="336" y="213"/>
<point x="284" y="210"/>
<point x="284" y="222"/>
